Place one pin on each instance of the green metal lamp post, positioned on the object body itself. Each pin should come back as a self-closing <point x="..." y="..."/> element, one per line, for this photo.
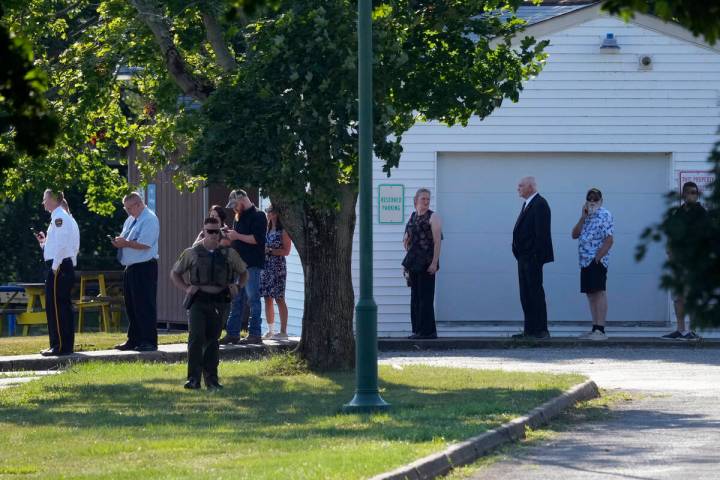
<point x="367" y="397"/>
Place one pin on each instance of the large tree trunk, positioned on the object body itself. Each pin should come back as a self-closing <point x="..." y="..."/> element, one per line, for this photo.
<point x="324" y="241"/>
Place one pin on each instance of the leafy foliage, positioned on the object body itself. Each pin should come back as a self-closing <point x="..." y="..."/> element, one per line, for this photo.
<point x="698" y="16"/>
<point x="290" y="112"/>
<point x="693" y="268"/>
<point x="26" y="125"/>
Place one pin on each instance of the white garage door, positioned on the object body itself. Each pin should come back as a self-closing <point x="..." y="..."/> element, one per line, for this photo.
<point x="478" y="200"/>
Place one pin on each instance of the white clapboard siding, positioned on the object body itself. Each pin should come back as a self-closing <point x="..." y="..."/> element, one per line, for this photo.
<point x="583" y="101"/>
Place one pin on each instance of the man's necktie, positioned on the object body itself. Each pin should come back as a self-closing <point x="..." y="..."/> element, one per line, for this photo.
<point x="120" y="250"/>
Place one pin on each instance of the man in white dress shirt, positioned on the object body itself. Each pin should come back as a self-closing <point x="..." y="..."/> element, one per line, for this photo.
<point x="60" y="248"/>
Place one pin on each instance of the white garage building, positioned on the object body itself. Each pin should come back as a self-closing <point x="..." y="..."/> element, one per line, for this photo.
<point x="595" y="117"/>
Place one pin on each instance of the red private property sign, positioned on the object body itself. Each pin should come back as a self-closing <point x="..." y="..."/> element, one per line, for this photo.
<point x="702" y="178"/>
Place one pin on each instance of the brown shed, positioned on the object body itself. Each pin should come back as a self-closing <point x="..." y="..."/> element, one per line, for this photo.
<point x="181" y="215"/>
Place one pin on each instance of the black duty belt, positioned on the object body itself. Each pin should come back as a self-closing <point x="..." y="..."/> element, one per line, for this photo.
<point x="222" y="296"/>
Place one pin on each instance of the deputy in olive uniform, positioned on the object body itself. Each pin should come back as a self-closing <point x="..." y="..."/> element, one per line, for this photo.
<point x="60" y="248"/>
<point x="211" y="269"/>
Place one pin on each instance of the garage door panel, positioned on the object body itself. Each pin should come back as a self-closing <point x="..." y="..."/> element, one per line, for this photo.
<point x="493" y="254"/>
<point x="469" y="296"/>
<point x="633" y="173"/>
<point x="463" y="208"/>
<point x="478" y="200"/>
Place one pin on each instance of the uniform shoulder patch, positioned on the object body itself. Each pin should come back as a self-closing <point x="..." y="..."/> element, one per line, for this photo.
<point x="58" y="222"/>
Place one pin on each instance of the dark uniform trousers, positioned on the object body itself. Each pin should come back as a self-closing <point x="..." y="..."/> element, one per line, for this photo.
<point x="58" y="306"/>
<point x="532" y="295"/>
<point x="422" y="308"/>
<point x="207" y="314"/>
<point x="140" y="290"/>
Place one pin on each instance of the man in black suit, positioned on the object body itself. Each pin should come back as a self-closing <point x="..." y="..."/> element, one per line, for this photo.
<point x="532" y="248"/>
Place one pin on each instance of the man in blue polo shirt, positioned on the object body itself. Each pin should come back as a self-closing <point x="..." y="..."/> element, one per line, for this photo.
<point x="138" y="252"/>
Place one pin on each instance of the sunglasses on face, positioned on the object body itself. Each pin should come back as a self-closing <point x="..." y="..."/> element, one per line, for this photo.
<point x="592" y="199"/>
<point x="214" y="231"/>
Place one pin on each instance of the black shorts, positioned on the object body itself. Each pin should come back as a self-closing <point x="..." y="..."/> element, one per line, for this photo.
<point x="593" y="278"/>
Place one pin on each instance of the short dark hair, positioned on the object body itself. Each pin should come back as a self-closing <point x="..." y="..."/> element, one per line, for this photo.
<point x="212" y="220"/>
<point x="595" y="191"/>
<point x="220" y="211"/>
<point x="688" y="185"/>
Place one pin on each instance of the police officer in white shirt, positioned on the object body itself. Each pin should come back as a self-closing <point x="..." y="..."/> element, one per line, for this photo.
<point x="60" y="248"/>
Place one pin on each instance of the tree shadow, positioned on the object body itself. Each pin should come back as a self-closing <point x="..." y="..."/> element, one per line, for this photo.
<point x="278" y="407"/>
<point x="602" y="445"/>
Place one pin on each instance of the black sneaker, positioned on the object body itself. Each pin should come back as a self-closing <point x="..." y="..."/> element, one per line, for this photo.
<point x="229" y="340"/>
<point x="691" y="336"/>
<point x="251" y="340"/>
<point x="673" y="336"/>
<point x="192" y="384"/>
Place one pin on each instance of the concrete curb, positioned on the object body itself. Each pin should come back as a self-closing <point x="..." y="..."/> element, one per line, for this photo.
<point x="473" y="448"/>
<point x="475" y="343"/>
<point x="165" y="354"/>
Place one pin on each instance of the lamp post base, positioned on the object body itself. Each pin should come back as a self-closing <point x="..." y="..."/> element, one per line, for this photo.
<point x="366" y="403"/>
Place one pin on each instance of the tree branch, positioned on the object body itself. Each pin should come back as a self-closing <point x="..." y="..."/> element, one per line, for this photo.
<point x="191" y="85"/>
<point x="214" y="34"/>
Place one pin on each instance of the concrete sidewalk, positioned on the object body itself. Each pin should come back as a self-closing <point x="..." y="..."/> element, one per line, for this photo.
<point x="165" y="353"/>
<point x="670" y="430"/>
<point x="472" y="343"/>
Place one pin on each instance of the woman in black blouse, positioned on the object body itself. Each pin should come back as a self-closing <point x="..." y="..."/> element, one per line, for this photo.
<point x="423" y="235"/>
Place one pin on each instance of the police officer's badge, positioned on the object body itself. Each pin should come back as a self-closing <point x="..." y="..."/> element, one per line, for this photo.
<point x="58" y="222"/>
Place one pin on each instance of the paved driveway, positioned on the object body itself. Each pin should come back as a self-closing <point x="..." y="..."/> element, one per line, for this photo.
<point x="670" y="431"/>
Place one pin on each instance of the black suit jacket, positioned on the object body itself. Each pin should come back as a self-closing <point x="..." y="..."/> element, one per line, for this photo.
<point x="531" y="235"/>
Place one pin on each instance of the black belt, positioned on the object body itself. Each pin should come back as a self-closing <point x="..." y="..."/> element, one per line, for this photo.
<point x="221" y="296"/>
<point x="154" y="260"/>
<point x="50" y="262"/>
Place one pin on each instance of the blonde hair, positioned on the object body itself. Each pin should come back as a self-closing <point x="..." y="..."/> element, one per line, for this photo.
<point x="421" y="191"/>
<point x="58" y="196"/>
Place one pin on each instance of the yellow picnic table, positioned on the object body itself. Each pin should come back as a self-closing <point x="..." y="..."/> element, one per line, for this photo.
<point x="35" y="311"/>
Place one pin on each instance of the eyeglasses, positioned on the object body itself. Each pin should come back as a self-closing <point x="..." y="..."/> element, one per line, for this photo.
<point x="692" y="192"/>
<point x="212" y="232"/>
<point x="592" y="199"/>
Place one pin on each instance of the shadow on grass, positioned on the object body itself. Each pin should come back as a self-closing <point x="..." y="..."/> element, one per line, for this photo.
<point x="272" y="407"/>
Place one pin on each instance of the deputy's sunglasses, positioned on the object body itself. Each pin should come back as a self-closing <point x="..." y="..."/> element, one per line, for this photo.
<point x="212" y="232"/>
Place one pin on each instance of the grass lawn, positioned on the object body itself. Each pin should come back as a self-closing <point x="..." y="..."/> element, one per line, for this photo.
<point x="134" y="420"/>
<point x="83" y="342"/>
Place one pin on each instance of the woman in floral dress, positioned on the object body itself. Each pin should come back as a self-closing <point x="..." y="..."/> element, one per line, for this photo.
<point x="273" y="276"/>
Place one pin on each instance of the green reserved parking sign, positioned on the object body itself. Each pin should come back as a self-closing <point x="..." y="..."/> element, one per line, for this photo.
<point x="391" y="203"/>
